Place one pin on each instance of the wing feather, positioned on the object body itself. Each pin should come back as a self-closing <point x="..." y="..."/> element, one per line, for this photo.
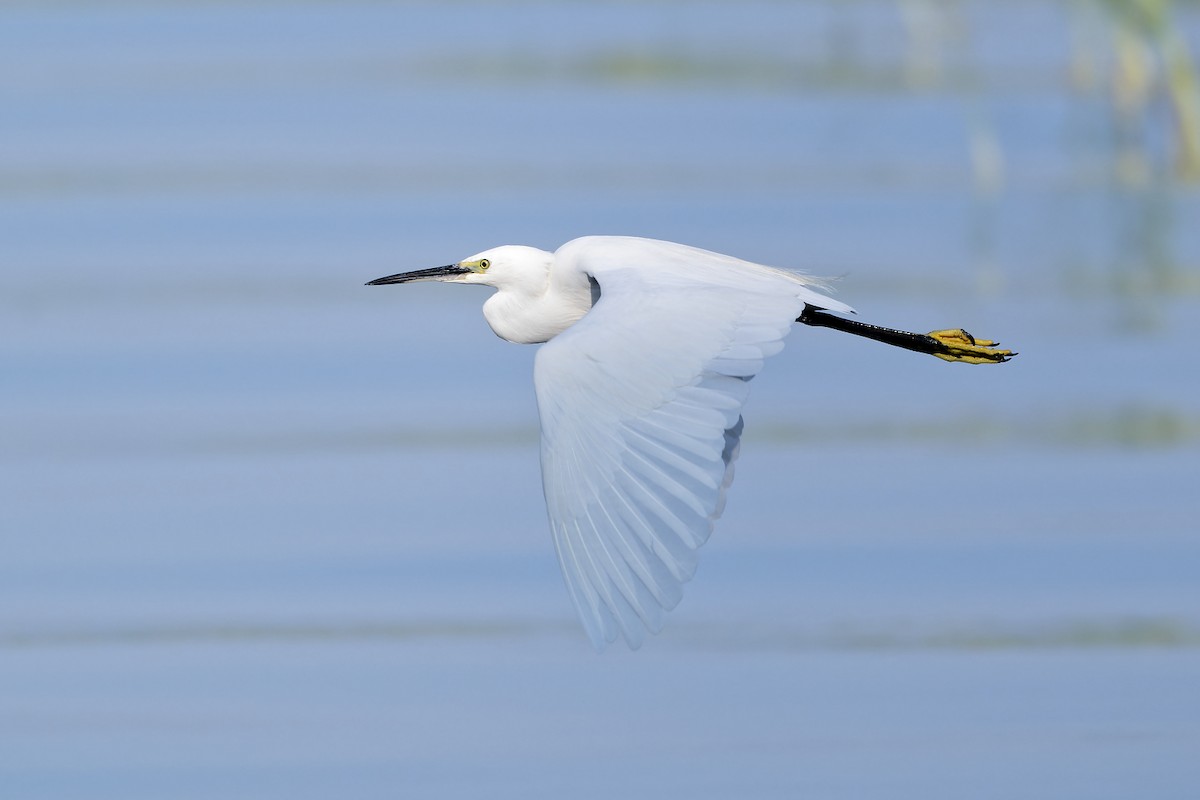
<point x="641" y="415"/>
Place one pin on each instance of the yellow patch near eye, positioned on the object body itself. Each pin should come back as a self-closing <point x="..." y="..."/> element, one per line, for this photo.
<point x="477" y="266"/>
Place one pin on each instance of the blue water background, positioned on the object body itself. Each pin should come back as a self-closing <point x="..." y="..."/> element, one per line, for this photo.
<point x="265" y="532"/>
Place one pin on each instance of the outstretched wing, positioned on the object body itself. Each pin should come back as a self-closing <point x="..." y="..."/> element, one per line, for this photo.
<point x="640" y="405"/>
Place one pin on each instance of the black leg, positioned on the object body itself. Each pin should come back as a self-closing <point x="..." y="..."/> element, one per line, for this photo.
<point x="949" y="345"/>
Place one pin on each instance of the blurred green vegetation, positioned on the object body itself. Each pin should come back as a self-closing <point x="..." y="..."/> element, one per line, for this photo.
<point x="1137" y="633"/>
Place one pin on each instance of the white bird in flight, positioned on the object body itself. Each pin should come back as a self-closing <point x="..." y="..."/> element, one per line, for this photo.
<point x="649" y="347"/>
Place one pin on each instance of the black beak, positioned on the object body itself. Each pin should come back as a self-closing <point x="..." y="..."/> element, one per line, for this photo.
<point x="431" y="274"/>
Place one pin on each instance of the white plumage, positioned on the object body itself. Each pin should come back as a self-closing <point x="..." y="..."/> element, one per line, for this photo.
<point x="640" y="387"/>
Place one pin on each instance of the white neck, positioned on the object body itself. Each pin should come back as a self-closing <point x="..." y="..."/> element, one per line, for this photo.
<point x="534" y="318"/>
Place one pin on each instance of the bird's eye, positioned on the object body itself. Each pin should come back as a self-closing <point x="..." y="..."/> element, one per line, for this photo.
<point x="484" y="264"/>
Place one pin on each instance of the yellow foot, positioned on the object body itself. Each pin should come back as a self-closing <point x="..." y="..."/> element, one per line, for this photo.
<point x="962" y="346"/>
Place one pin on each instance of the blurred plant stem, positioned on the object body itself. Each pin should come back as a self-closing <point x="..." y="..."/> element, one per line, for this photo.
<point x="1185" y="98"/>
<point x="1147" y="39"/>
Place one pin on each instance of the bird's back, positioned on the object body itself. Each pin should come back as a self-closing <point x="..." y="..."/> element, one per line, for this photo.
<point x="670" y="266"/>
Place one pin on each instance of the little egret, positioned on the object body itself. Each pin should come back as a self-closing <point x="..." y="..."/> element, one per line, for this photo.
<point x="640" y="387"/>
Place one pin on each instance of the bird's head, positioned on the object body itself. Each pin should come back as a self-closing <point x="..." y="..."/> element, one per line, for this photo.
<point x="508" y="267"/>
